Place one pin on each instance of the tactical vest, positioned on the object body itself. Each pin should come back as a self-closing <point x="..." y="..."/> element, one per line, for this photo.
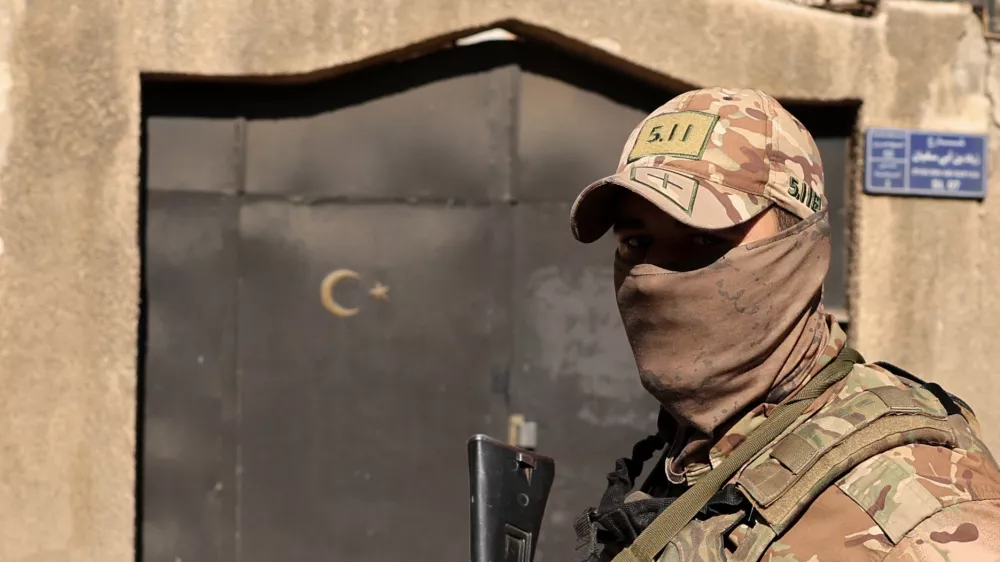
<point x="871" y="414"/>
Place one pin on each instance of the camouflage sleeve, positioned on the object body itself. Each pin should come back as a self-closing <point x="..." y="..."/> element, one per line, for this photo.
<point x="966" y="531"/>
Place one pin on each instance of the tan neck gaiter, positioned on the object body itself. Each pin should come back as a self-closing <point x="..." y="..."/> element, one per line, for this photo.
<point x="711" y="342"/>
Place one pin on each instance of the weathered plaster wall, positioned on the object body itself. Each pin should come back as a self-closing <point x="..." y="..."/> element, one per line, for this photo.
<point x="927" y="269"/>
<point x="922" y="291"/>
<point x="68" y="280"/>
<point x="694" y="41"/>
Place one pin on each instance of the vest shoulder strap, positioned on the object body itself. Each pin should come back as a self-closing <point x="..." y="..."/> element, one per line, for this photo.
<point x="874" y="412"/>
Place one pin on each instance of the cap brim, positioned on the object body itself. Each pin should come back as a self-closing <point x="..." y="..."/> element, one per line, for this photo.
<point x="695" y="202"/>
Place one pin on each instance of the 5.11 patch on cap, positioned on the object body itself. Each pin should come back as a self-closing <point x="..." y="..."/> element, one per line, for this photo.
<point x="684" y="134"/>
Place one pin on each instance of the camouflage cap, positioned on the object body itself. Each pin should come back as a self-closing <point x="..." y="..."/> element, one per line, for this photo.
<point x="712" y="159"/>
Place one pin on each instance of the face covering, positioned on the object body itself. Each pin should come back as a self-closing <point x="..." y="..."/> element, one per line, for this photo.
<point x="711" y="342"/>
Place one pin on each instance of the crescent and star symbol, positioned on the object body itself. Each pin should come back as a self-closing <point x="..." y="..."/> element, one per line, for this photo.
<point x="329" y="285"/>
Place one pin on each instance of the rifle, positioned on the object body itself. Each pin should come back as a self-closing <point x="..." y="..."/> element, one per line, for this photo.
<point x="510" y="487"/>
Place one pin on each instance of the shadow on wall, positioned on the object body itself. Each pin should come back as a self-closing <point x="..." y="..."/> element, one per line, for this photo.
<point x="255" y="97"/>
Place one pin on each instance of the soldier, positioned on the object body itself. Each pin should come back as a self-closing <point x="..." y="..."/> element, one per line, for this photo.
<point x="779" y="441"/>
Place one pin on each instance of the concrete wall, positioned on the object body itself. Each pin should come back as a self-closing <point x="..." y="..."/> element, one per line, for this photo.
<point x="69" y="125"/>
<point x="922" y="283"/>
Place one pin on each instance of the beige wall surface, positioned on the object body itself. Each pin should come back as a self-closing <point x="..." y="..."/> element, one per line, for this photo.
<point x="68" y="280"/>
<point x="923" y="271"/>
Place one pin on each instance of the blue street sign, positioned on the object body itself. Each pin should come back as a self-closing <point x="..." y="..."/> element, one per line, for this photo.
<point x="923" y="163"/>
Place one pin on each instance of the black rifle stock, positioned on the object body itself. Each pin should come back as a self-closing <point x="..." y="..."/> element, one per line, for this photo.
<point x="510" y="487"/>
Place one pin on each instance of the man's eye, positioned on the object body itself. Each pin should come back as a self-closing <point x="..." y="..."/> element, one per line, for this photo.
<point x="633" y="245"/>
<point x="705" y="240"/>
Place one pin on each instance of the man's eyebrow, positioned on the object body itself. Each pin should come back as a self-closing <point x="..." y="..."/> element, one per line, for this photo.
<point x="629" y="224"/>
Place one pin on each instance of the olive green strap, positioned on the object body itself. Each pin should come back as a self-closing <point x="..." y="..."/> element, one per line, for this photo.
<point x="667" y="524"/>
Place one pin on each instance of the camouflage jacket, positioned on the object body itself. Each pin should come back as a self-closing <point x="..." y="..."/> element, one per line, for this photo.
<point x="914" y="502"/>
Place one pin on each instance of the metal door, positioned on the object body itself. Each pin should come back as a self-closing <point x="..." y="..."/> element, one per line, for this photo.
<point x="187" y="478"/>
<point x="347" y="279"/>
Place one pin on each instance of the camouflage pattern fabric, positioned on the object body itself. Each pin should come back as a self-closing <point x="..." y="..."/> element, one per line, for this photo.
<point x="711" y="158"/>
<point x="911" y="503"/>
<point x="702" y="539"/>
<point x="953" y="515"/>
<point x="967" y="531"/>
<point x="738" y="432"/>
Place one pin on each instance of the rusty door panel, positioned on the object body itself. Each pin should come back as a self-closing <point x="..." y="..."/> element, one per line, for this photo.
<point x="569" y="136"/>
<point x="189" y="396"/>
<point x="353" y="428"/>
<point x="202" y="154"/>
<point x="573" y="372"/>
<point x="447" y="139"/>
